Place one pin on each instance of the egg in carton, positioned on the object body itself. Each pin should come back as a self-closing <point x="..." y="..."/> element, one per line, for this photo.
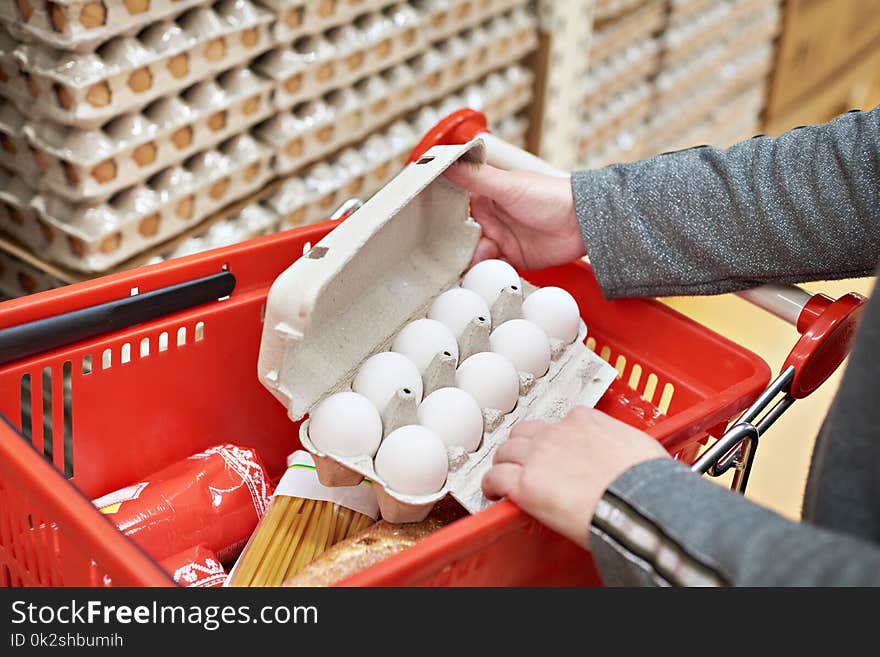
<point x="511" y="35"/>
<point x="444" y="18"/>
<point x="351" y="294"/>
<point x="126" y="73"/>
<point x="82" y="25"/>
<point x="298" y="17"/>
<point x="95" y="164"/>
<point x="95" y="237"/>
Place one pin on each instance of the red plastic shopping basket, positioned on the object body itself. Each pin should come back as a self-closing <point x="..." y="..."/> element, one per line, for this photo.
<point x="92" y="416"/>
<point x="112" y="409"/>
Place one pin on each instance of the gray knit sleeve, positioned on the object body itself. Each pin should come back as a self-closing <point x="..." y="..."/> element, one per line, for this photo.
<point x="661" y="525"/>
<point x="802" y="206"/>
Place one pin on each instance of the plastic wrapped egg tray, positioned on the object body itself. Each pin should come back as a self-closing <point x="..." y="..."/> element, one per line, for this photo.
<point x="298" y="17"/>
<point x="128" y="72"/>
<point x="95" y="164"/>
<point x="348" y="297"/>
<point x="444" y="18"/>
<point x="93" y="238"/>
<point x="618" y="34"/>
<point x="364" y="168"/>
<point x="316" y="63"/>
<point x="82" y="25"/>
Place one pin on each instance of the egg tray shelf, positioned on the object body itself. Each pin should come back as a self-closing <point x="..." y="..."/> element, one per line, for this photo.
<point x="92" y="165"/>
<point x="93" y="238"/>
<point x="82" y="25"/>
<point x="127" y="73"/>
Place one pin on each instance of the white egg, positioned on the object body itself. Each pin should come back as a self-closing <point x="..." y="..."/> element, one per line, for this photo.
<point x="423" y="339"/>
<point x="491" y="379"/>
<point x="455" y="416"/>
<point x="489" y="277"/>
<point x="346" y="424"/>
<point x="412" y="460"/>
<point x="383" y="374"/>
<point x="524" y="344"/>
<point x="555" y="311"/>
<point x="457" y="307"/>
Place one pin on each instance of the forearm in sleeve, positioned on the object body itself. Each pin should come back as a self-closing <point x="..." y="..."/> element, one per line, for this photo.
<point x="660" y="524"/>
<point x="802" y="206"/>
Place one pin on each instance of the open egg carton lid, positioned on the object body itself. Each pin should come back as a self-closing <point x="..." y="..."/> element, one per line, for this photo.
<point x="348" y="297"/>
<point x="125" y="73"/>
<point x="82" y="25"/>
<point x="93" y="238"/>
<point x="95" y="164"/>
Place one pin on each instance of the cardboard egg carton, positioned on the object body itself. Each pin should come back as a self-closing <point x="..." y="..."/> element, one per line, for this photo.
<point x="514" y="129"/>
<point x="316" y="63"/>
<point x="444" y="18"/>
<point x="128" y="72"/>
<point x="93" y="165"/>
<point x="335" y="307"/>
<point x="298" y="17"/>
<point x="82" y="25"/>
<point x="95" y="237"/>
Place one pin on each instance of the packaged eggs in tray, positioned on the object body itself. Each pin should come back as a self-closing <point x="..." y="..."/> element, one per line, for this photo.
<point x="413" y="370"/>
<point x="128" y="72"/>
<point x="82" y="25"/>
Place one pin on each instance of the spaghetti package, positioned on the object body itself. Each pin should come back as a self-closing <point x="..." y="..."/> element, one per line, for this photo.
<point x="304" y="519"/>
<point x="214" y="499"/>
<point x="196" y="567"/>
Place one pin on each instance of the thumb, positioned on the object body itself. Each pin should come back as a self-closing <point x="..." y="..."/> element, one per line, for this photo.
<point x="482" y="179"/>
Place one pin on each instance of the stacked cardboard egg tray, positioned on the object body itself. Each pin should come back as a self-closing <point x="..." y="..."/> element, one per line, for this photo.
<point x="623" y="58"/>
<point x="716" y="57"/>
<point x="135" y="129"/>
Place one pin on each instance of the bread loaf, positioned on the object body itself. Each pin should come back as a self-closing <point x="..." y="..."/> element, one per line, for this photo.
<point x="372" y="545"/>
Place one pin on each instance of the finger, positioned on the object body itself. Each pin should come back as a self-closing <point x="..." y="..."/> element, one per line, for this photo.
<point x="528" y="429"/>
<point x="513" y="450"/>
<point x="502" y="480"/>
<point x="486" y="250"/>
<point x="482" y="179"/>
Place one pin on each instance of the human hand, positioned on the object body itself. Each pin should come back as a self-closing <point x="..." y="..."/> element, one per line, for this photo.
<point x="557" y="473"/>
<point x="527" y="218"/>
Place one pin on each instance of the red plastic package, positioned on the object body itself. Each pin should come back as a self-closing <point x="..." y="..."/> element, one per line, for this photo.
<point x="214" y="499"/>
<point x="197" y="567"/>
